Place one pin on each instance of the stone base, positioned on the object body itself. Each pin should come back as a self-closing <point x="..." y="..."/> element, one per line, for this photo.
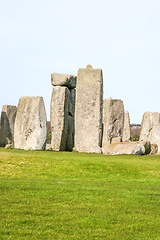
<point x="88" y="150"/>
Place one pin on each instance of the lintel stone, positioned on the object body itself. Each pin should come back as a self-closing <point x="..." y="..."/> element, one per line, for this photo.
<point x="59" y="79"/>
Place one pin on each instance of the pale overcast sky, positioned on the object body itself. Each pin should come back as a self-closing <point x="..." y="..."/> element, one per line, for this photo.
<point x="122" y="37"/>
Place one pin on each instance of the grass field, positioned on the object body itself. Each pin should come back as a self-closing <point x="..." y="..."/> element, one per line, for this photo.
<point x="64" y="195"/>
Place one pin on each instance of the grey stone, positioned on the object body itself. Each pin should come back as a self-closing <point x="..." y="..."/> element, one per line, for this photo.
<point x="30" y="124"/>
<point x="70" y="137"/>
<point x="150" y="128"/>
<point x="113" y="120"/>
<point x="58" y="79"/>
<point x="116" y="140"/>
<point x="62" y="111"/>
<point x="71" y="117"/>
<point x="59" y="117"/>
<point x="154" y="148"/>
<point x="3" y="140"/>
<point x="147" y="146"/>
<point x="88" y="110"/>
<point x="71" y="107"/>
<point x="125" y="148"/>
<point x="126" y="129"/>
<point x="8" y="115"/>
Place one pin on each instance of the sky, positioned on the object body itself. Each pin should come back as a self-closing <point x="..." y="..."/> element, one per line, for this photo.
<point x="121" y="37"/>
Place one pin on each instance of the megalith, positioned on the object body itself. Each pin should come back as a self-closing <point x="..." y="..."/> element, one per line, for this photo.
<point x="71" y="120"/>
<point x="88" y="110"/>
<point x="30" y="130"/>
<point x="137" y="148"/>
<point x="8" y="115"/>
<point x="59" y="117"/>
<point x="150" y="128"/>
<point x="113" y="121"/>
<point x="62" y="109"/>
<point x="3" y="141"/>
<point x="126" y="129"/>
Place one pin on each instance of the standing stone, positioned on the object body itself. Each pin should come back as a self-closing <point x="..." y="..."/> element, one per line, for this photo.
<point x="3" y="141"/>
<point x="8" y="115"/>
<point x="30" y="124"/>
<point x="62" y="110"/>
<point x="88" y="110"/>
<point x="59" y="109"/>
<point x="113" y="121"/>
<point x="71" y="129"/>
<point x="150" y="128"/>
<point x="126" y="129"/>
<point x="70" y="136"/>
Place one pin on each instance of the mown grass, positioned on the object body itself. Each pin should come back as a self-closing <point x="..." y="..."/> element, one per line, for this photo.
<point x="62" y="195"/>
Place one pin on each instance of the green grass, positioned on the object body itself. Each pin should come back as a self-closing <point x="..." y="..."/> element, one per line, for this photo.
<point x="64" y="195"/>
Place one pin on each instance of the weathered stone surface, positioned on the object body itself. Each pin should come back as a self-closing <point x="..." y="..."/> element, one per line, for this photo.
<point x="147" y="146"/>
<point x="3" y="140"/>
<point x="116" y="140"/>
<point x="30" y="124"/>
<point x="125" y="148"/>
<point x="70" y="137"/>
<point x="71" y="123"/>
<point x="62" y="111"/>
<point x="71" y="107"/>
<point x="8" y="115"/>
<point x="113" y="120"/>
<point x="58" y="79"/>
<point x="150" y="128"/>
<point x="154" y="148"/>
<point x="88" y="110"/>
<point x="59" y="117"/>
<point x="126" y="129"/>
